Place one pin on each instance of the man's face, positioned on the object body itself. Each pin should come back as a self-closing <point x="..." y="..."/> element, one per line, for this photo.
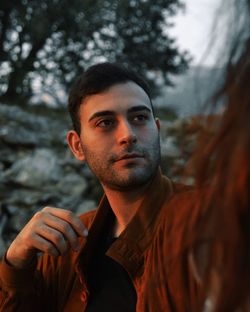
<point x="120" y="137"/>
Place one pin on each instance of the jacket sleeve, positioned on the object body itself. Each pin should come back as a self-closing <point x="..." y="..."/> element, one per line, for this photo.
<point x="43" y="286"/>
<point x="20" y="289"/>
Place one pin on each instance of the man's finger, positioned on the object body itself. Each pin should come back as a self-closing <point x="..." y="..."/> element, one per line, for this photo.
<point x="66" y="229"/>
<point x="45" y="246"/>
<point x="53" y="236"/>
<point x="69" y="217"/>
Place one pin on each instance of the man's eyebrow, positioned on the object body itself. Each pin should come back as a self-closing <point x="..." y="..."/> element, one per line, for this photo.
<point x="101" y="114"/>
<point x="112" y="113"/>
<point x="139" y="108"/>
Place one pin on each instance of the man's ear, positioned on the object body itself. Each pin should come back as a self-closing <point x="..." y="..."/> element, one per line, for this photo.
<point x="74" y="143"/>
<point x="158" y="124"/>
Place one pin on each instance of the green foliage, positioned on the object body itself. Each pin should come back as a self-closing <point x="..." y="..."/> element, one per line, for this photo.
<point x="53" y="41"/>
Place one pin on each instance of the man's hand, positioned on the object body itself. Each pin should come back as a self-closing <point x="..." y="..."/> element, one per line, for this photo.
<point x="51" y="230"/>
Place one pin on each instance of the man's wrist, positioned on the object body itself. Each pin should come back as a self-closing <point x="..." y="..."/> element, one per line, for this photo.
<point x="17" y="264"/>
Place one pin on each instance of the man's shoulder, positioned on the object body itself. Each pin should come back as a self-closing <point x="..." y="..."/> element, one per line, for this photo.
<point x="184" y="207"/>
<point x="179" y="218"/>
<point x="185" y="196"/>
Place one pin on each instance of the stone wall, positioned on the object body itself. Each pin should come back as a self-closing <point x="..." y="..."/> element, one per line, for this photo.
<point x="37" y="169"/>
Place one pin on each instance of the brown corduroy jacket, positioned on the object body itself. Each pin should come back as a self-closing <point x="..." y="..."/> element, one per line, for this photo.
<point x="156" y="231"/>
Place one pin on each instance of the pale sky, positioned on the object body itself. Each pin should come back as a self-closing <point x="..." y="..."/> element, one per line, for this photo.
<point x="193" y="30"/>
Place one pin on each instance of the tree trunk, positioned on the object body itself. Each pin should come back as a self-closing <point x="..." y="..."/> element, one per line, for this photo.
<point x="5" y="24"/>
<point x="16" y="79"/>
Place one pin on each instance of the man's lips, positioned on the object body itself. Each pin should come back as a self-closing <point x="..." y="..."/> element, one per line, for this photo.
<point x="129" y="156"/>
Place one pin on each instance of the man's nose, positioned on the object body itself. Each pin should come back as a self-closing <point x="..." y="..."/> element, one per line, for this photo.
<point x="126" y="134"/>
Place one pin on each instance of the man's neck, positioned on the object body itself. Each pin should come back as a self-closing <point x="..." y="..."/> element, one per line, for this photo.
<point x="124" y="205"/>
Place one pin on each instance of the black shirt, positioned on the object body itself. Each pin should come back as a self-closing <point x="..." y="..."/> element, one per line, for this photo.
<point x="111" y="288"/>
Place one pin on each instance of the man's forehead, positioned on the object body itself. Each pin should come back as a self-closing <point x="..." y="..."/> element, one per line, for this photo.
<point x="126" y="97"/>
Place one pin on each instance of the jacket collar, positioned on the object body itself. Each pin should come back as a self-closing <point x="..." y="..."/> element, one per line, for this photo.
<point x="128" y="249"/>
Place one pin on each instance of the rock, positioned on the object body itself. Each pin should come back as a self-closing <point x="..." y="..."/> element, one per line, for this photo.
<point x="169" y="147"/>
<point x="72" y="184"/>
<point x="24" y="197"/>
<point x="2" y="247"/>
<point x="19" y="136"/>
<point x="85" y="205"/>
<point x="23" y="128"/>
<point x="19" y="219"/>
<point x="36" y="169"/>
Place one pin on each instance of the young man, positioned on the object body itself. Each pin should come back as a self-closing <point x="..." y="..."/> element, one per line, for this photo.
<point x="53" y="264"/>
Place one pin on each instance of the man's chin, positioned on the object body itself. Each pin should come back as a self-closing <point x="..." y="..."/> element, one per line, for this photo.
<point x="131" y="181"/>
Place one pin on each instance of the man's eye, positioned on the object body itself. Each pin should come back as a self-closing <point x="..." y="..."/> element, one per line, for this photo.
<point x="105" y="123"/>
<point x="141" y="118"/>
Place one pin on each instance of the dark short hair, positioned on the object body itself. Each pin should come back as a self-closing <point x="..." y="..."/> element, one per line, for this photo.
<point x="97" y="79"/>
